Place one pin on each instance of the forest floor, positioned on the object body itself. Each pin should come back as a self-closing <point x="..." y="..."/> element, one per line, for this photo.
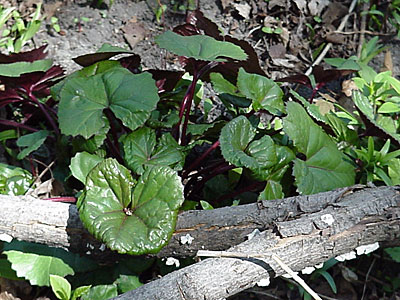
<point x="288" y="36"/>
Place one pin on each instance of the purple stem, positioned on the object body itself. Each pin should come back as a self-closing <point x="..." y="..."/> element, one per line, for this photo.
<point x="53" y="124"/>
<point x="219" y="170"/>
<point x="199" y="160"/>
<point x="188" y="99"/>
<point x="110" y="118"/>
<point x="62" y="199"/>
<point x="17" y="125"/>
<point x="315" y="90"/>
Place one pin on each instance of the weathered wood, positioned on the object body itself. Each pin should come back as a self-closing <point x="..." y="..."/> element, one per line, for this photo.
<point x="57" y="224"/>
<point x="358" y="219"/>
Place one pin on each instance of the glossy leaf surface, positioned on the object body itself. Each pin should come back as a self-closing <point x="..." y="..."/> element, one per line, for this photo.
<point x="131" y="97"/>
<point x="142" y="150"/>
<point x="264" y="92"/>
<point x="200" y="47"/>
<point x="13" y="180"/>
<point x="325" y="167"/>
<point x="129" y="218"/>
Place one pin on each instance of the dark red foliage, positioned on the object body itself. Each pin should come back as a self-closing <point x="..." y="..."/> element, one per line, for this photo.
<point x="28" y="56"/>
<point x="198" y="24"/>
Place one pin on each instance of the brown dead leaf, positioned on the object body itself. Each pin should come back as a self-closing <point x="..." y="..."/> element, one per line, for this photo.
<point x="348" y="86"/>
<point x="335" y="11"/>
<point x="273" y="3"/>
<point x="50" y="8"/>
<point x="316" y="6"/>
<point x="277" y="51"/>
<point x="327" y="97"/>
<point x="335" y="38"/>
<point x="244" y="9"/>
<point x="324" y="106"/>
<point x="134" y="32"/>
<point x="225" y="4"/>
<point x="387" y="62"/>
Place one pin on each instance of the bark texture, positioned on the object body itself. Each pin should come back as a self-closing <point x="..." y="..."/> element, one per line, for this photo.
<point x="58" y="224"/>
<point x="353" y="220"/>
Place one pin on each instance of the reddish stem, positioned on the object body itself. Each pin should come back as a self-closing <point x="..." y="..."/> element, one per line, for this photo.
<point x="199" y="160"/>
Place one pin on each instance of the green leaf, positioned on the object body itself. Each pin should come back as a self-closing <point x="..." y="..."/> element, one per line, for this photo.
<point x="234" y="139"/>
<point x="14" y="181"/>
<point x="221" y="85"/>
<point x="394" y="171"/>
<point x="18" y="68"/>
<point x="389" y="107"/>
<point x="131" y="97"/>
<point x="127" y="283"/>
<point x="80" y="291"/>
<point x="101" y="292"/>
<point x="363" y="104"/>
<point x="264" y="92"/>
<point x="35" y="262"/>
<point x="273" y="190"/>
<point x="6" y="271"/>
<point x="131" y="221"/>
<point x="61" y="287"/>
<point x="205" y="205"/>
<point x="325" y="168"/>
<point x="328" y="277"/>
<point x="37" y="268"/>
<point x="32" y="142"/>
<point x="82" y="163"/>
<point x="394" y="253"/>
<point x="200" y="47"/>
<point x="261" y="156"/>
<point x="141" y="151"/>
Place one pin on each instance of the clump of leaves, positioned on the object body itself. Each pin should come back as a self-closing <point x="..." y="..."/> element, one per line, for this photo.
<point x="138" y="150"/>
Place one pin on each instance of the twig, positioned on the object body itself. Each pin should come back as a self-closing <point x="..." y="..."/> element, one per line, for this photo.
<point x="329" y="45"/>
<point x="284" y="266"/>
<point x="366" y="278"/>
<point x="362" y="31"/>
<point x="296" y="277"/>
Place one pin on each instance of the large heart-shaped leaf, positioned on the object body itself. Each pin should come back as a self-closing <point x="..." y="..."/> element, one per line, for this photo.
<point x="133" y="220"/>
<point x="262" y="156"/>
<point x="264" y="92"/>
<point x="325" y="167"/>
<point x="141" y="151"/>
<point x="200" y="47"/>
<point x="131" y="97"/>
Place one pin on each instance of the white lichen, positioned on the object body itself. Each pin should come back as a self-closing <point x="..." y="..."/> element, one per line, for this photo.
<point x="347" y="256"/>
<point x="6" y="237"/>
<point x="327" y="219"/>
<point x="254" y="233"/>
<point x="307" y="270"/>
<point x="365" y="249"/>
<point x="186" y="239"/>
<point x="264" y="282"/>
<point x="172" y="261"/>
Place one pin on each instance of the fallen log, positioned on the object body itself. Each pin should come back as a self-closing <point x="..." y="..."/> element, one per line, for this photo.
<point x="366" y="217"/>
<point x="58" y="224"/>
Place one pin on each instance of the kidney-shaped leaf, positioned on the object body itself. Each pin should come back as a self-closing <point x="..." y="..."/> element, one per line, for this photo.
<point x="140" y="150"/>
<point x="325" y="167"/>
<point x="261" y="156"/>
<point x="133" y="221"/>
<point x="234" y="139"/>
<point x="131" y="97"/>
<point x="264" y="92"/>
<point x="200" y="47"/>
